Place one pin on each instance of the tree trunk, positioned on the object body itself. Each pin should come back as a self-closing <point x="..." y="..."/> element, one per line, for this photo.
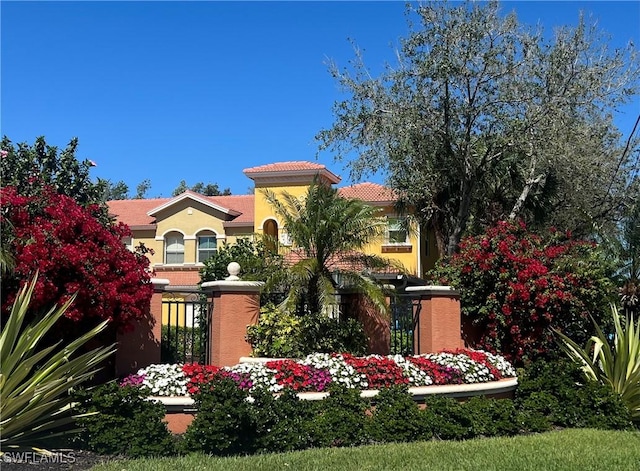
<point x="462" y="217"/>
<point x="530" y="182"/>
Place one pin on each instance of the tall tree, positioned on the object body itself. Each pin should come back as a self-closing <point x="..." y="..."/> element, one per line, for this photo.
<point x="115" y="191"/>
<point x="482" y="113"/>
<point x="210" y="189"/>
<point x="142" y="188"/>
<point x="326" y="228"/>
<point x="32" y="167"/>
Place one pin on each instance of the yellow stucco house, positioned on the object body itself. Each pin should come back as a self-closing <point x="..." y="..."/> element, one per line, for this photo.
<point x="185" y="230"/>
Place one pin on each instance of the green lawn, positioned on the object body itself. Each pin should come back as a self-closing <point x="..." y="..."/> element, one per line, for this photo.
<point x="577" y="449"/>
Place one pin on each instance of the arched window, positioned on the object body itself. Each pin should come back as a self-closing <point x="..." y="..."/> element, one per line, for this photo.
<point x="173" y="248"/>
<point x="207" y="245"/>
<point x="270" y="228"/>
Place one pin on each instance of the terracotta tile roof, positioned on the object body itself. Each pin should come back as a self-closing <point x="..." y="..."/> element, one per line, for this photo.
<point x="244" y="204"/>
<point x="134" y="212"/>
<point x="338" y="262"/>
<point x="285" y="167"/>
<point x="369" y="192"/>
<point x="292" y="169"/>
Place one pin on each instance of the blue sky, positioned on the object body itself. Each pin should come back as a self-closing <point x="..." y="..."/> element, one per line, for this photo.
<point x="198" y="91"/>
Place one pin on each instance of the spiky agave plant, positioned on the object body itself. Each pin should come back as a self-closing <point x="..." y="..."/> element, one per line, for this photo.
<point x="616" y="364"/>
<point x="35" y="380"/>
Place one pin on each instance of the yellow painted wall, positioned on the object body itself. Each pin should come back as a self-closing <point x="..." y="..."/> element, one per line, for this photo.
<point x="409" y="260"/>
<point x="148" y="238"/>
<point x="263" y="210"/>
<point x="407" y="255"/>
<point x="191" y="217"/>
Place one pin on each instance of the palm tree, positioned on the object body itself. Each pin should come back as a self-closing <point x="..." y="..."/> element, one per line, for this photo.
<point x="328" y="234"/>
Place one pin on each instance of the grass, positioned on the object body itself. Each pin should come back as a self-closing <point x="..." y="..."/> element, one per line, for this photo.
<point x="566" y="450"/>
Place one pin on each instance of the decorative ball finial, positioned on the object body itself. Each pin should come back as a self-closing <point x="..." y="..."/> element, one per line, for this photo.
<point x="233" y="268"/>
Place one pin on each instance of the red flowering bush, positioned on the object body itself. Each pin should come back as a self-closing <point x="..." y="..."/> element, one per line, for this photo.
<point x="381" y="372"/>
<point x="299" y="377"/>
<point x="515" y="285"/>
<point x="441" y="374"/>
<point x="198" y="375"/>
<point x="74" y="253"/>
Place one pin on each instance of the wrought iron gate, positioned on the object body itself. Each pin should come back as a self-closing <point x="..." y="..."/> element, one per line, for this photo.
<point x="185" y="328"/>
<point x="405" y="324"/>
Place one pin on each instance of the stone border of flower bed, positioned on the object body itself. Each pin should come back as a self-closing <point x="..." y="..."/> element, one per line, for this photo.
<point x="501" y="387"/>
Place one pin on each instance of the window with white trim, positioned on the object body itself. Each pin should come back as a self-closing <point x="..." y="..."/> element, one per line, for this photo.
<point x="207" y="246"/>
<point x="396" y="232"/>
<point x="173" y="248"/>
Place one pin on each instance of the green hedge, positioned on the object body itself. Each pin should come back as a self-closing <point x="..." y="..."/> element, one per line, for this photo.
<point x="231" y="421"/>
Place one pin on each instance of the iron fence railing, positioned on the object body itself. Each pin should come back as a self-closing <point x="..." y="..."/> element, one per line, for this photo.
<point x="185" y="329"/>
<point x="404" y="325"/>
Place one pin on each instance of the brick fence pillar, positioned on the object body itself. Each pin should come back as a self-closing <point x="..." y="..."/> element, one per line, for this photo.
<point x="439" y="319"/>
<point x="236" y="305"/>
<point x="141" y="347"/>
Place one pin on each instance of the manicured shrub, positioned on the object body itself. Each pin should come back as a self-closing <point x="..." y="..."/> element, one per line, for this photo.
<point x="536" y="410"/>
<point x="448" y="419"/>
<point x="223" y="425"/>
<point x="282" y="423"/>
<point x="516" y="285"/>
<point x="340" y="420"/>
<point x="558" y="391"/>
<point x="396" y="417"/>
<point x="492" y="417"/>
<point x="126" y="423"/>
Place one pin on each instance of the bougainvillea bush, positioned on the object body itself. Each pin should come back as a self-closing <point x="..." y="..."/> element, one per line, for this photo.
<point x="516" y="285"/>
<point x="73" y="251"/>
<point x="318" y="371"/>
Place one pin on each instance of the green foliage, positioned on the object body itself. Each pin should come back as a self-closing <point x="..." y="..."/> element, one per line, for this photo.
<point x="481" y="112"/>
<point x="396" y="417"/>
<point x="123" y="422"/>
<point x="35" y="380"/>
<point x="281" y="334"/>
<point x="492" y="417"/>
<point x="210" y="189"/>
<point x="257" y="263"/>
<point x="615" y="364"/>
<point x="341" y="419"/>
<point x="223" y="425"/>
<point x="320" y="333"/>
<point x="142" y="188"/>
<point x="31" y="167"/>
<point x="115" y="191"/>
<point x="278" y="334"/>
<point x="516" y="285"/>
<point x="281" y="423"/>
<point x="557" y="391"/>
<point x="448" y="419"/>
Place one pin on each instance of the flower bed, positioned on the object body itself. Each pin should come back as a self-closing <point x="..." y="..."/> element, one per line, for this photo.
<point x="318" y="371"/>
<point x="458" y="373"/>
